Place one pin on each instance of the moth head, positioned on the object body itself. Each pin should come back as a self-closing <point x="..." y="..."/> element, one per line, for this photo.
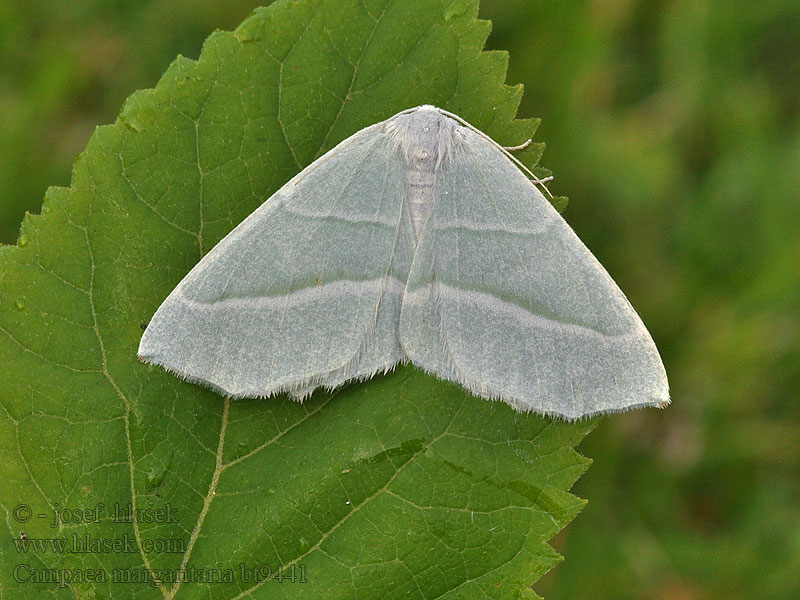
<point x="423" y="135"/>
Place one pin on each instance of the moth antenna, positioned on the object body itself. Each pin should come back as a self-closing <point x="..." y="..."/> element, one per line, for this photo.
<point x="522" y="146"/>
<point x="513" y="158"/>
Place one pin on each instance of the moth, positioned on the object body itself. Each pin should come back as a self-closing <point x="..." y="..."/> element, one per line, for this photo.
<point x="417" y="239"/>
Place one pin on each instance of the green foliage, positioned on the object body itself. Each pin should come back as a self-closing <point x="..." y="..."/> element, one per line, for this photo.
<point x="674" y="128"/>
<point x="403" y="486"/>
<point x="66" y="67"/>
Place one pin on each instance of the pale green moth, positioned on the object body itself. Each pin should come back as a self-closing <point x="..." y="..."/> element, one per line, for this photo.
<point x="416" y="239"/>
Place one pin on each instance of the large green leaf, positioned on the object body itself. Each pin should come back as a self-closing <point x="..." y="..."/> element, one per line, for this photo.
<point x="403" y="486"/>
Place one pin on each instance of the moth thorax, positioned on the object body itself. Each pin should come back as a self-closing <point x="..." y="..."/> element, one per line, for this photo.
<point x="422" y="157"/>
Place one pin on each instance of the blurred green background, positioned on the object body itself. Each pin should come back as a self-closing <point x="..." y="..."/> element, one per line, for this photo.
<point x="674" y="128"/>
